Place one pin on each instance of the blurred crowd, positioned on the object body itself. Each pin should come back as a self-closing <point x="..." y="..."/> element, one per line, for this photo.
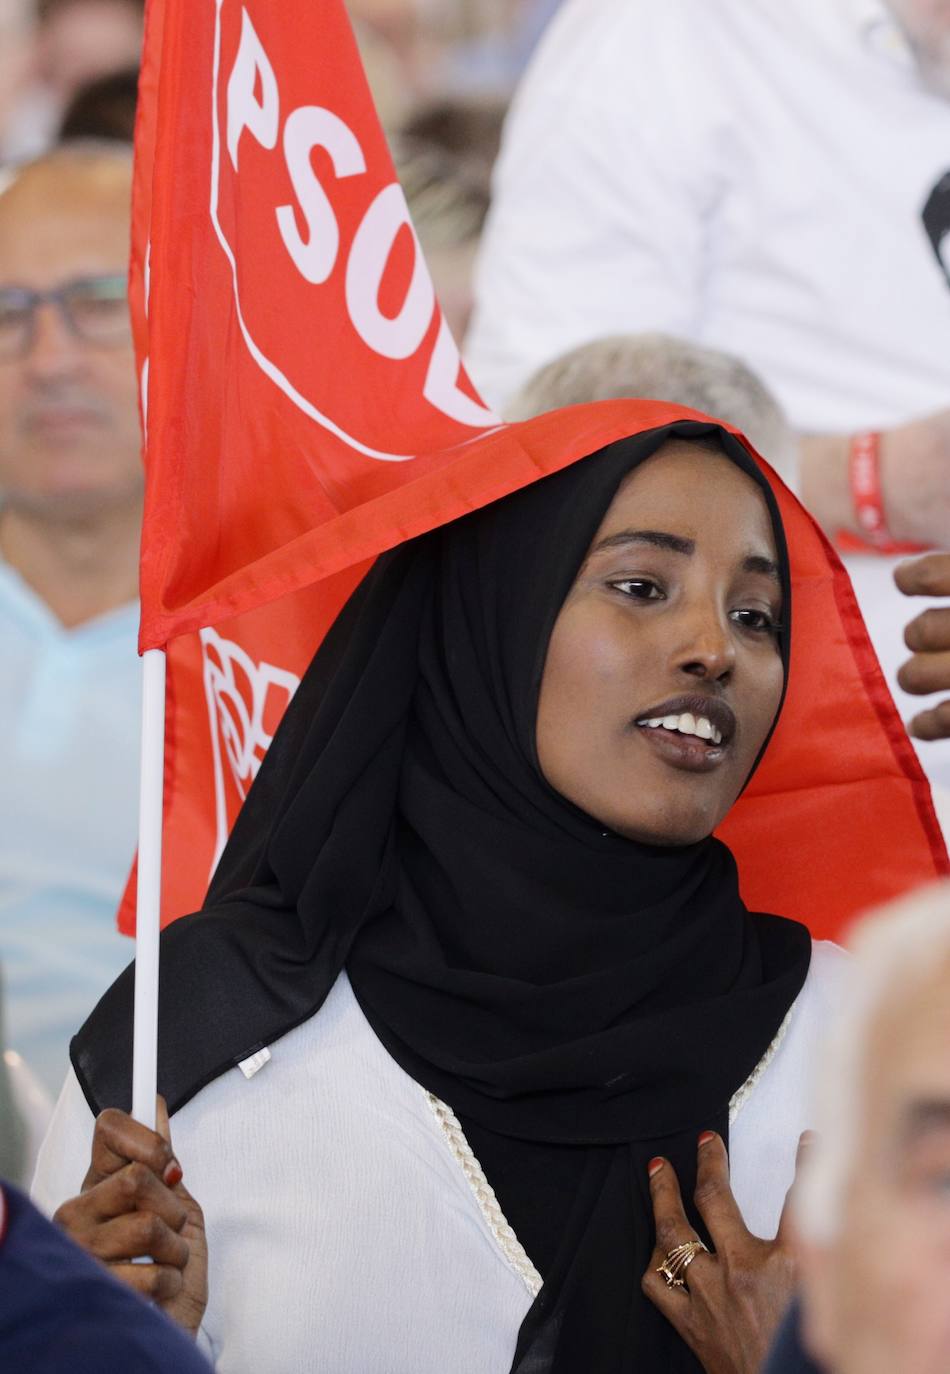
<point x="442" y="73"/>
<point x="742" y="207"/>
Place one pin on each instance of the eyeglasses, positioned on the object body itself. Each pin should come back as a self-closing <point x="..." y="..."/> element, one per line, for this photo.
<point x="94" y="309"/>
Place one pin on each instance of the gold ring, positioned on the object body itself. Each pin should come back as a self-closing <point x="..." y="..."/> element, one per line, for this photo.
<point x="678" y="1261"/>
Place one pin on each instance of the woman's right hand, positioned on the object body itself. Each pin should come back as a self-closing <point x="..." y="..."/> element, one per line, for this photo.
<point x="133" y="1204"/>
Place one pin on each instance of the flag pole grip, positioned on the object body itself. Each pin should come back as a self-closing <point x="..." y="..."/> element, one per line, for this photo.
<point x="149" y="889"/>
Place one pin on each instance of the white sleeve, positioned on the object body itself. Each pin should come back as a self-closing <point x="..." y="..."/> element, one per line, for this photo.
<point x="66" y="1149"/>
<point x="763" y="1139"/>
<point x="602" y="190"/>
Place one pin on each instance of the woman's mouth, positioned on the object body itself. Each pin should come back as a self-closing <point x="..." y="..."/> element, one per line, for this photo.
<point x="695" y="740"/>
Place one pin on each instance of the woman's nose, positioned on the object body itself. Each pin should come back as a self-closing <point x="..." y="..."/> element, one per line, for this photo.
<point x="707" y="648"/>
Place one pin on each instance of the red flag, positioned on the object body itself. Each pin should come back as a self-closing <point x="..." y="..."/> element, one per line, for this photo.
<point x="296" y="343"/>
<point x="307" y="409"/>
<point x="293" y="358"/>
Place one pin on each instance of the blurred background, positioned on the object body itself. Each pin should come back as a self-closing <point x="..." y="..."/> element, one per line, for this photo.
<point x="442" y="72"/>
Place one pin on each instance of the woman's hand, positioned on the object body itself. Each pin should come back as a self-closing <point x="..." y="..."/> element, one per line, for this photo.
<point x="736" y="1297"/>
<point x="133" y="1204"/>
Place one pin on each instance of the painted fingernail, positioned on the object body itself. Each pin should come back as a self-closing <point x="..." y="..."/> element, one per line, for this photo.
<point x="705" y="1138"/>
<point x="173" y="1174"/>
<point x="655" y="1165"/>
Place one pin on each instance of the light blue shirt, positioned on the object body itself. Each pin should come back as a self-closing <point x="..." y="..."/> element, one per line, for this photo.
<point x="70" y="702"/>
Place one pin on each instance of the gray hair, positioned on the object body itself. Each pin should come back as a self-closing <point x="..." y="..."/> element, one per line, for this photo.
<point x="664" y="368"/>
<point x="447" y="200"/>
<point x="894" y="949"/>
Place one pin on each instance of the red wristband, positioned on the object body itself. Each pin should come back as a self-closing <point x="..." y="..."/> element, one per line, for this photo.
<point x="864" y="474"/>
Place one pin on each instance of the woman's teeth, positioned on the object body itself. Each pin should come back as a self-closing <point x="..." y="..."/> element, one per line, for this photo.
<point x="687" y="724"/>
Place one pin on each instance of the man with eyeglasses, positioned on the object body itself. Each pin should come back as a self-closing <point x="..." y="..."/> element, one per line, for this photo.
<point x="70" y="513"/>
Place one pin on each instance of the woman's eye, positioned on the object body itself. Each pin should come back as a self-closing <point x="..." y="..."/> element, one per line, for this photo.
<point x="759" y="622"/>
<point x="639" y="588"/>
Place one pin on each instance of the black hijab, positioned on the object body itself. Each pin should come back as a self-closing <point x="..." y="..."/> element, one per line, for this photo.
<point x="582" y="1001"/>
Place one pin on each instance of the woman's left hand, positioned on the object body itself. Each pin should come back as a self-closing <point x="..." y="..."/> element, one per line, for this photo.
<point x="735" y="1297"/>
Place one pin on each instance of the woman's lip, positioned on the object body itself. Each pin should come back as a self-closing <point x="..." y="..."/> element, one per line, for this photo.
<point x="687" y="752"/>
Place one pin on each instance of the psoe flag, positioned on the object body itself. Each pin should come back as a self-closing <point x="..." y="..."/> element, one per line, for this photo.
<point x="306" y="409"/>
<point x="299" y="366"/>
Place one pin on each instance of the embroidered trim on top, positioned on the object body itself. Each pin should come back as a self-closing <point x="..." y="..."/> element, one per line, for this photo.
<point x="505" y="1238"/>
<point x="742" y="1095"/>
<point x="484" y="1194"/>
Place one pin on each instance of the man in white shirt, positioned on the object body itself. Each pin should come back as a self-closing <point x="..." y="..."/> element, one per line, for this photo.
<point x="769" y="179"/>
<point x="70" y="512"/>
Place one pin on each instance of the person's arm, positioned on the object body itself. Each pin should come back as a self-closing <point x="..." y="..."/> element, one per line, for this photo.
<point x="915" y="480"/>
<point x="12" y="1126"/>
<point x="60" y="1311"/>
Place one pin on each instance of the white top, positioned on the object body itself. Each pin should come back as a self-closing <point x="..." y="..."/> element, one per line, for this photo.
<point x="343" y="1232"/>
<point x="750" y="174"/>
<point x="70" y="705"/>
<point x="747" y="174"/>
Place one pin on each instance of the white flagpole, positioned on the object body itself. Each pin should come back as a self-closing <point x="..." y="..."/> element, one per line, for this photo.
<point x="149" y="889"/>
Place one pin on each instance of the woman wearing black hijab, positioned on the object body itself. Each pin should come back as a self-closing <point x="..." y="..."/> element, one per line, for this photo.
<point x="491" y="804"/>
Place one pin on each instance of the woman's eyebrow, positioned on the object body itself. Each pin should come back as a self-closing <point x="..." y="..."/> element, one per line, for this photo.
<point x="660" y="539"/>
<point x="657" y="538"/>
<point x="756" y="563"/>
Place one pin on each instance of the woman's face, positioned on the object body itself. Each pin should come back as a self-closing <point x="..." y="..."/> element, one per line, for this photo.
<point x="671" y="619"/>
